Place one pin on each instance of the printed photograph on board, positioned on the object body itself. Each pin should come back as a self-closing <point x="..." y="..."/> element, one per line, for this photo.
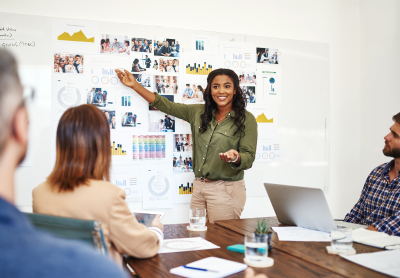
<point x="168" y="65"/>
<point x="114" y="44"/>
<point x="166" y="84"/>
<point x="182" y="162"/>
<point x="247" y="78"/>
<point x="267" y="55"/>
<point x="110" y="116"/>
<point x="143" y="79"/>
<point x="193" y="93"/>
<point x="166" y="47"/>
<point x="100" y="97"/>
<point x="183" y="142"/>
<point x="161" y="122"/>
<point x="68" y="63"/>
<point x="142" y="45"/>
<point x="130" y="119"/>
<point x="249" y="93"/>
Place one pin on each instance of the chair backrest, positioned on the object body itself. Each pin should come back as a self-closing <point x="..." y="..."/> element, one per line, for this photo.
<point x="87" y="231"/>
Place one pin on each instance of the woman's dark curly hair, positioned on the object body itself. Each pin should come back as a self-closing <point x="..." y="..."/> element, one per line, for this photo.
<point x="238" y="102"/>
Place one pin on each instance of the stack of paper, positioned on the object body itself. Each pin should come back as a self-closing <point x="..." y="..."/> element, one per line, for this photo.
<point x="220" y="268"/>
<point x="300" y="234"/>
<point x="386" y="262"/>
<point x="376" y="239"/>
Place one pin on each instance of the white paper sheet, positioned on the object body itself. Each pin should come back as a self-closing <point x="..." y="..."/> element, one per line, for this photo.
<point x="269" y="148"/>
<point x="386" y="262"/>
<point x="202" y="44"/>
<point x="266" y="118"/>
<point x="224" y="268"/>
<point x="237" y="56"/>
<point x="157" y="187"/>
<point x="300" y="234"/>
<point x="75" y="35"/>
<point x="186" y="244"/>
<point x="129" y="179"/>
<point x="269" y="83"/>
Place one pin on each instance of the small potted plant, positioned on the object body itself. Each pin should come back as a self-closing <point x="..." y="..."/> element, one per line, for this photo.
<point x="263" y="230"/>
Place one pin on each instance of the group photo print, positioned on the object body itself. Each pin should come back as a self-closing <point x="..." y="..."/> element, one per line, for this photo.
<point x="168" y="65"/>
<point x="166" y="47"/>
<point x="249" y="93"/>
<point x="114" y="44"/>
<point x="247" y="78"/>
<point x="68" y="63"/>
<point x="166" y="84"/>
<point x="183" y="142"/>
<point x="182" y="162"/>
<point x="142" y="45"/>
<point x="193" y="93"/>
<point x="129" y="119"/>
<point x="267" y="55"/>
<point x="143" y="79"/>
<point x="161" y="122"/>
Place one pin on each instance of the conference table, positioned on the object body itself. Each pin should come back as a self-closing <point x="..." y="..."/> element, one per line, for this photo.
<point x="291" y="259"/>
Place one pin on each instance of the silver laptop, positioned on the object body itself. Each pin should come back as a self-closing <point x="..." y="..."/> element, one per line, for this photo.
<point x="303" y="207"/>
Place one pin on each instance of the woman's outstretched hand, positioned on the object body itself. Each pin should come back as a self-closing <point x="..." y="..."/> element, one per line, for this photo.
<point x="126" y="78"/>
<point x="230" y="156"/>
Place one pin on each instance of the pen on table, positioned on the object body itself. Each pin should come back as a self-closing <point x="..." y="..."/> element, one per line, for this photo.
<point x="201" y="269"/>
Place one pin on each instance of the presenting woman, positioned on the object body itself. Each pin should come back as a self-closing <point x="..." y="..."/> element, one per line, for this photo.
<point x="224" y="141"/>
<point x="79" y="186"/>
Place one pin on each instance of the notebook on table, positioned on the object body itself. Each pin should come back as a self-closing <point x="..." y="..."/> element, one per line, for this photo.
<point x="220" y="268"/>
<point x="376" y="239"/>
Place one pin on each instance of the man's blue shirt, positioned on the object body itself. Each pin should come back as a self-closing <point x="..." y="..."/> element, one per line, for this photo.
<point x="379" y="203"/>
<point x="26" y="252"/>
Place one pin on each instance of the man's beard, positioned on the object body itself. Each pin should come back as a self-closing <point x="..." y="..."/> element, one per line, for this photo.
<point x="395" y="153"/>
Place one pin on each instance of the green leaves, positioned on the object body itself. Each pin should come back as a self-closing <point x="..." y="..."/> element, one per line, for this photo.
<point x="262" y="227"/>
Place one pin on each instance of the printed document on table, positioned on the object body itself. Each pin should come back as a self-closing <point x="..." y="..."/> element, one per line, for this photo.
<point x="386" y="262"/>
<point x="186" y="244"/>
<point x="300" y="234"/>
<point x="220" y="268"/>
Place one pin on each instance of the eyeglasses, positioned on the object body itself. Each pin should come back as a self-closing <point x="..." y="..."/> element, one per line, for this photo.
<point x="28" y="95"/>
<point x="27" y="98"/>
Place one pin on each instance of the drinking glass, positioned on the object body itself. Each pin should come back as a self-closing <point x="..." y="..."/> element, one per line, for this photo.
<point x="197" y="218"/>
<point x="256" y="247"/>
<point x="341" y="238"/>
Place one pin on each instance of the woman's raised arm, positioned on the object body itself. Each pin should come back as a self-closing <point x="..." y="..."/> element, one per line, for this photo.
<point x="129" y="80"/>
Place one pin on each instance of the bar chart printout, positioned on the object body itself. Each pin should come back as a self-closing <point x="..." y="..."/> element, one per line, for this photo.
<point x="116" y="149"/>
<point x="102" y="71"/>
<point x="198" y="69"/>
<point x="126" y="101"/>
<point x="186" y="189"/>
<point x="120" y="182"/>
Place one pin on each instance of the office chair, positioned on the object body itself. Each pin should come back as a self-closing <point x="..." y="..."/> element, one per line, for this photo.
<point x="87" y="231"/>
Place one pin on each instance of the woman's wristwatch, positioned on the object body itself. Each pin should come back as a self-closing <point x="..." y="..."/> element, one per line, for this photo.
<point x="236" y="159"/>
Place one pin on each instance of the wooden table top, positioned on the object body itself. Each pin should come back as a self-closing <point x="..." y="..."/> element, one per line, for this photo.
<point x="312" y="252"/>
<point x="285" y="265"/>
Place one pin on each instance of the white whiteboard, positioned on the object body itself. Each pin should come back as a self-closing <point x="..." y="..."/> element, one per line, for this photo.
<point x="303" y="115"/>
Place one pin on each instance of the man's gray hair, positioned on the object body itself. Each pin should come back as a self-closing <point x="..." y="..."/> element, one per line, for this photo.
<point x="9" y="93"/>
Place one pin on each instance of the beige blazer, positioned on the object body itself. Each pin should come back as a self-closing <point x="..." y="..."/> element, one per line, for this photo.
<point x="100" y="200"/>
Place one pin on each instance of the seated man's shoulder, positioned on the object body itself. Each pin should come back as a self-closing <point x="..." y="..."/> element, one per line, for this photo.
<point x="35" y="254"/>
<point x="379" y="169"/>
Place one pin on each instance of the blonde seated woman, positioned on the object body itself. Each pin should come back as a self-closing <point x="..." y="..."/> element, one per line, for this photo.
<point x="79" y="186"/>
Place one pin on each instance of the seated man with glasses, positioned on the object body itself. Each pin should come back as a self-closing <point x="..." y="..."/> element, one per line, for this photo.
<point x="25" y="252"/>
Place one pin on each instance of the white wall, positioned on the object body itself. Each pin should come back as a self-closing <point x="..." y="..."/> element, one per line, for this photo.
<point x="336" y="22"/>
<point x="379" y="79"/>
